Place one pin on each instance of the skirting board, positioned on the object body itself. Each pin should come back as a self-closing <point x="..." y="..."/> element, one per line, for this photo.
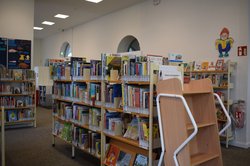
<point x="240" y="144"/>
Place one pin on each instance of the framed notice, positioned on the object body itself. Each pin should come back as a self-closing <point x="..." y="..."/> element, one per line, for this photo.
<point x="19" y="54"/>
<point x="3" y="51"/>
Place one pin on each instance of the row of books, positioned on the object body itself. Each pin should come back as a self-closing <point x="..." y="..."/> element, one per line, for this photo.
<point x="16" y="74"/>
<point x="87" y="140"/>
<point x="81" y="115"/>
<point x="18" y="115"/>
<point x="135" y="128"/>
<point x="113" y="95"/>
<point x="80" y="91"/>
<point x="136" y="96"/>
<point x="16" y="102"/>
<point x="218" y="80"/>
<point x="62" y="89"/>
<point x="61" y="71"/>
<point x="123" y="157"/>
<point x="63" y="130"/>
<point x="219" y="65"/>
<point x="25" y="87"/>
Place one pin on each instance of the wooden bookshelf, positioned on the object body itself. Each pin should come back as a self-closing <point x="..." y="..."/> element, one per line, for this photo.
<point x="207" y="71"/>
<point x="17" y="81"/>
<point x="202" y="158"/>
<point x="19" y="122"/>
<point x="204" y="148"/>
<point x="18" y="108"/>
<point x="86" y="104"/>
<point x="137" y="82"/>
<point x="18" y="94"/>
<point x="63" y="81"/>
<point x="124" y="140"/>
<point x="28" y="94"/>
<point x="223" y="85"/>
<point x="82" y="89"/>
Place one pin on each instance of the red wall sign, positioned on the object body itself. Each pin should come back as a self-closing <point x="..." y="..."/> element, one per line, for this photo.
<point x="242" y="51"/>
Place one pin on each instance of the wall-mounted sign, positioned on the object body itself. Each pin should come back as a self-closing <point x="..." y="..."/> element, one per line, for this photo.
<point x="242" y="51"/>
<point x="3" y="51"/>
<point x="19" y="54"/>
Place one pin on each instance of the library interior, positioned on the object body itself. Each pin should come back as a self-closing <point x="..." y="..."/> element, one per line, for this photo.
<point x="124" y="83"/>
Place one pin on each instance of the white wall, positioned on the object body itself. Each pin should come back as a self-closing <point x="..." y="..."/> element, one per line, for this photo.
<point x="17" y="19"/>
<point x="189" y="27"/>
<point x="37" y="58"/>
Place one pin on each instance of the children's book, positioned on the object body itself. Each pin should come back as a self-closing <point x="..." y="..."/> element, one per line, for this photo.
<point x="12" y="116"/>
<point x="112" y="155"/>
<point x="204" y="66"/>
<point x="141" y="160"/>
<point x="124" y="159"/>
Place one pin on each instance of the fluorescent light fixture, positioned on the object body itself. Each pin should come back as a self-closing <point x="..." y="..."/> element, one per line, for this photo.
<point x="37" y="28"/>
<point x="94" y="1"/>
<point x="48" y="23"/>
<point x="63" y="16"/>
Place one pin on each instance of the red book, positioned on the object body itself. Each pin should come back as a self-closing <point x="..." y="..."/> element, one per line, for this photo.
<point x="137" y="97"/>
<point x="112" y="155"/>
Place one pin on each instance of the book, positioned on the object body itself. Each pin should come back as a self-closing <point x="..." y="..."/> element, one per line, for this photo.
<point x="124" y="159"/>
<point x="140" y="160"/>
<point x="204" y="66"/>
<point x="132" y="130"/>
<point x="12" y="115"/>
<point x="112" y="155"/>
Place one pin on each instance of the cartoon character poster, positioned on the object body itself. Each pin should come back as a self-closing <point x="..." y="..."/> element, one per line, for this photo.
<point x="19" y="54"/>
<point x="224" y="43"/>
<point x="3" y="51"/>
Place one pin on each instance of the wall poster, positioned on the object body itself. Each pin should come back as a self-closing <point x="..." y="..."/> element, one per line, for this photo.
<point x="19" y="54"/>
<point x="3" y="51"/>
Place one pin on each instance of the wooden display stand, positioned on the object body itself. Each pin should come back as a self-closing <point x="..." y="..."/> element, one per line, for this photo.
<point x="204" y="149"/>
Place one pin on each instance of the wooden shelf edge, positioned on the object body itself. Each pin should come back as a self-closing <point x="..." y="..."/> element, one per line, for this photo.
<point x="201" y="125"/>
<point x="196" y="92"/>
<point x="19" y="122"/>
<point x="18" y="108"/>
<point x="202" y="158"/>
<point x="124" y="140"/>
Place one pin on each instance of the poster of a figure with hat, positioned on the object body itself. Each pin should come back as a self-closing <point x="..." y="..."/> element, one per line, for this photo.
<point x="224" y="43"/>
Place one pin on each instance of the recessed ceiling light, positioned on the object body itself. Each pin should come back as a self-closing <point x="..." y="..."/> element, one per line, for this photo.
<point x="94" y="1"/>
<point x="63" y="16"/>
<point x="37" y="28"/>
<point x="48" y="23"/>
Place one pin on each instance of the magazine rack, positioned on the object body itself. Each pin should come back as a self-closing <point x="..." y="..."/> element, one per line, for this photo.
<point x="184" y="145"/>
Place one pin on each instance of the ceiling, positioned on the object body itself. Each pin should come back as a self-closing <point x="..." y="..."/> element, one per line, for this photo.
<point x="80" y="11"/>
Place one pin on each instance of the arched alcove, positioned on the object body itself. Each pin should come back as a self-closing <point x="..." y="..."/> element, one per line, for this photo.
<point x="128" y="44"/>
<point x="65" y="50"/>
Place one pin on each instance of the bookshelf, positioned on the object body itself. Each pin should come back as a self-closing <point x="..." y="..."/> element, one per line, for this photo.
<point x="222" y="83"/>
<point x="77" y="108"/>
<point x="204" y="147"/>
<point x="17" y="95"/>
<point x="90" y="104"/>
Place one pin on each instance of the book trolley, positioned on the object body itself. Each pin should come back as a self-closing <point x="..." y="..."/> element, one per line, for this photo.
<point x="194" y="139"/>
